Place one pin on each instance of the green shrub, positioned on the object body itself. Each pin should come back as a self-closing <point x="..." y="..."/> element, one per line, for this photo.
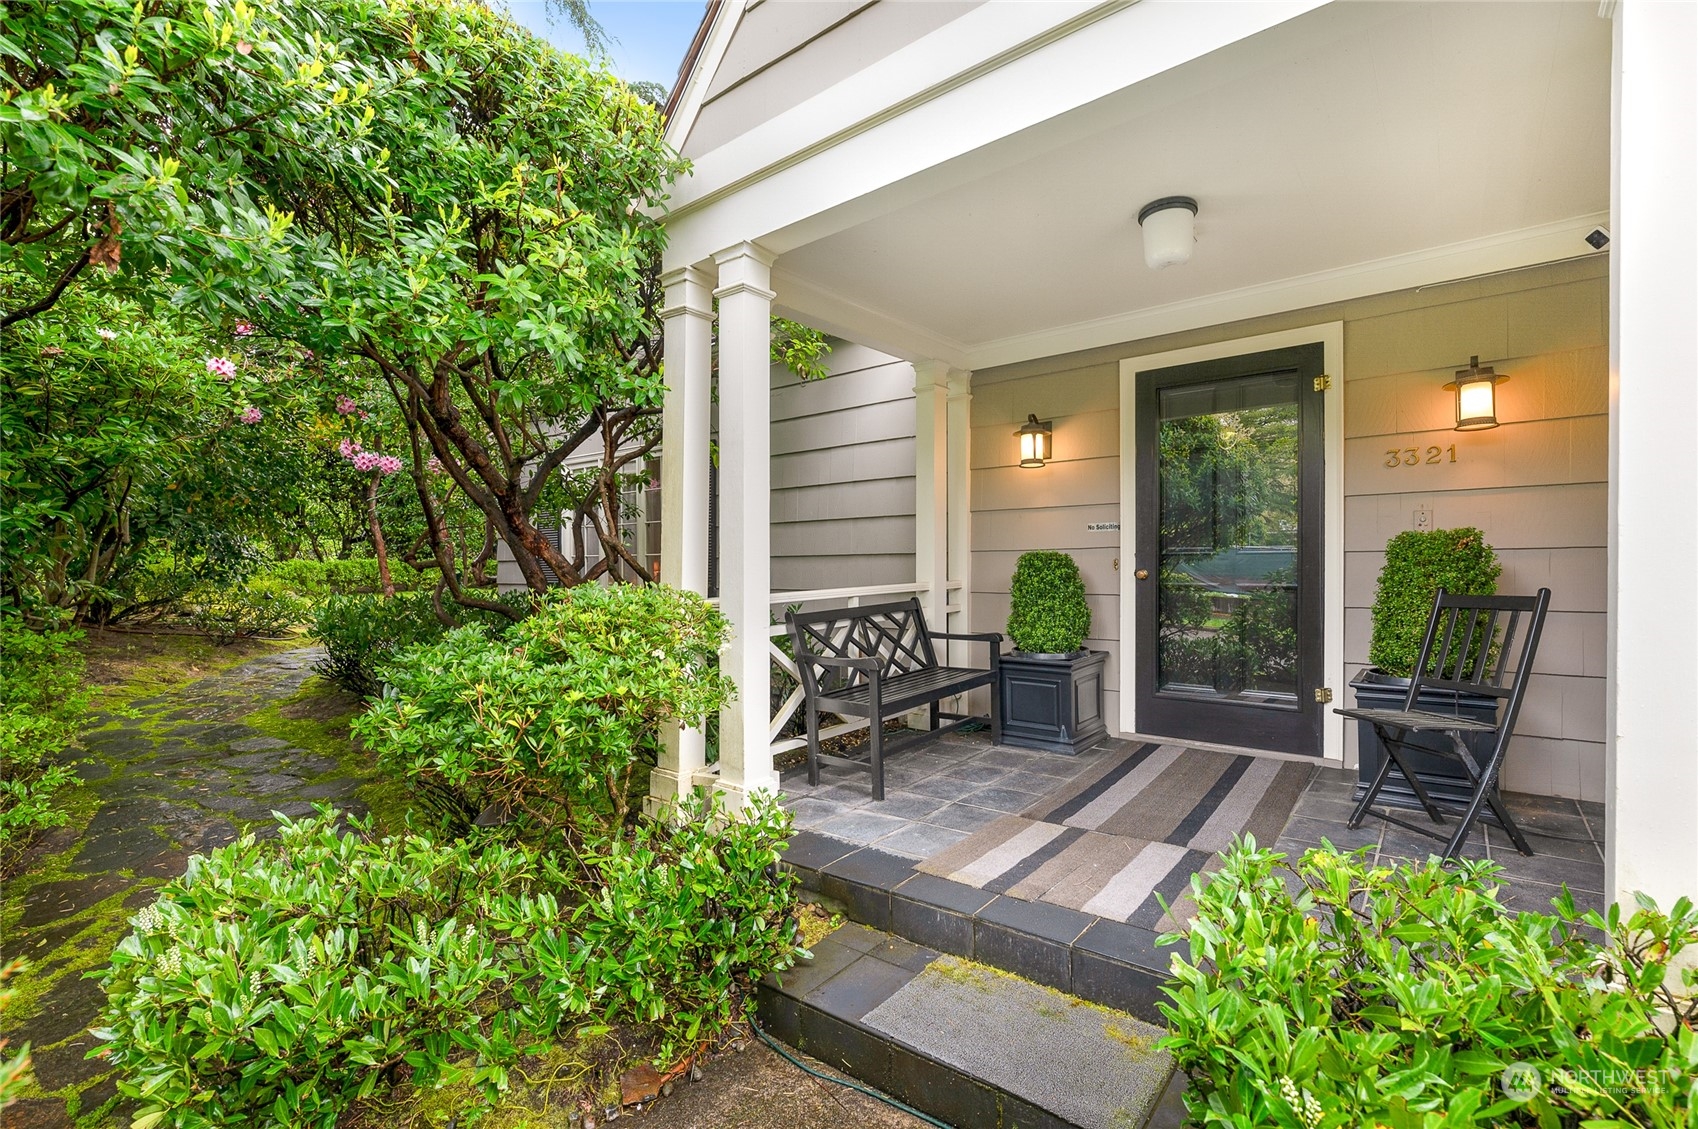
<point x="278" y="980"/>
<point x="245" y="610"/>
<point x="42" y="702"/>
<point x="555" y="720"/>
<point x="315" y="580"/>
<point x="362" y="633"/>
<point x="1417" y="565"/>
<point x="1049" y="614"/>
<point x="691" y="913"/>
<point x="1336" y="993"/>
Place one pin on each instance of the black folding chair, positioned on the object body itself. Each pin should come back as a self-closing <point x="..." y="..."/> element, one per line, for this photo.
<point x="1468" y="648"/>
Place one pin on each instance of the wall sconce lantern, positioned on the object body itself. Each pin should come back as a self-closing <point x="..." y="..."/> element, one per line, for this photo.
<point x="1476" y="396"/>
<point x="1170" y="230"/>
<point x="1034" y="442"/>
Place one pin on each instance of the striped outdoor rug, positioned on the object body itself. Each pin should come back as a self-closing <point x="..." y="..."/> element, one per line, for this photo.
<point x="1138" y="825"/>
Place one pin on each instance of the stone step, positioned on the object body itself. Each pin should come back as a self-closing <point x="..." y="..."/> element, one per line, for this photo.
<point x="973" y="1047"/>
<point x="1094" y="958"/>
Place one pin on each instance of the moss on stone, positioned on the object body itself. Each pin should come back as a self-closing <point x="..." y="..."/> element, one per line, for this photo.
<point x="316" y="718"/>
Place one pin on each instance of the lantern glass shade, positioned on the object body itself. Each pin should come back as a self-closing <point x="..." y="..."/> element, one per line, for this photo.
<point x="1034" y="442"/>
<point x="1476" y="396"/>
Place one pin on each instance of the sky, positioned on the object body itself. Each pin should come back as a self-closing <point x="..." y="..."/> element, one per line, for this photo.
<point x="649" y="36"/>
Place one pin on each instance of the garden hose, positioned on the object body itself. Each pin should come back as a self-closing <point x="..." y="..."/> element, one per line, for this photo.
<point x="853" y="1085"/>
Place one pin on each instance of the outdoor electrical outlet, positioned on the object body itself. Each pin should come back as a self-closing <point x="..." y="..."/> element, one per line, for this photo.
<point x="1423" y="517"/>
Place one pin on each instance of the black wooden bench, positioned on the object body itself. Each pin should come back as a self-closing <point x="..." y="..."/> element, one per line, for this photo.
<point x="878" y="663"/>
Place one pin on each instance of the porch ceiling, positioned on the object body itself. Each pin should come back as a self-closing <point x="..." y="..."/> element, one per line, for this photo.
<point x="1359" y="147"/>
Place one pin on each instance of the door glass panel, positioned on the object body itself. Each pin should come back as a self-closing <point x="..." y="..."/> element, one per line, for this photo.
<point x="1227" y="465"/>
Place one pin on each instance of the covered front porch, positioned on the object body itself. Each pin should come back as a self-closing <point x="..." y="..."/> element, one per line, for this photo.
<point x="1397" y="187"/>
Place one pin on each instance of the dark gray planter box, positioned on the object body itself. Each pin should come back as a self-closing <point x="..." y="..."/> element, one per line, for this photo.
<point x="1053" y="702"/>
<point x="1441" y="776"/>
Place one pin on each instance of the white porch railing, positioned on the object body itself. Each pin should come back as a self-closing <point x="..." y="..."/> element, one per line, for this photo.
<point x="778" y="649"/>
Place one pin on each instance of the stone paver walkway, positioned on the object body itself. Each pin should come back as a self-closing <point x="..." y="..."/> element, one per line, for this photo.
<point x="181" y="777"/>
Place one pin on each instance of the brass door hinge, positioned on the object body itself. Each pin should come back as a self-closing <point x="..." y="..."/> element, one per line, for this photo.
<point x="1323" y="384"/>
<point x="1323" y="695"/>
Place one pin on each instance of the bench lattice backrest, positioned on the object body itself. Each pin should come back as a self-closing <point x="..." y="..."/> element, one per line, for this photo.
<point x="895" y="634"/>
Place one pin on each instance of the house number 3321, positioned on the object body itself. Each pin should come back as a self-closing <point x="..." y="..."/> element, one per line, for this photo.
<point x="1415" y="456"/>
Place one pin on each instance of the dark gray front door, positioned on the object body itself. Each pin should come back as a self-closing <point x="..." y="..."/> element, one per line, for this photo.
<point x="1228" y="577"/>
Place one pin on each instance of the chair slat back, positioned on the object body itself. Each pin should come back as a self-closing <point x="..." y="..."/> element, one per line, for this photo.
<point x="1480" y="645"/>
<point x="895" y="634"/>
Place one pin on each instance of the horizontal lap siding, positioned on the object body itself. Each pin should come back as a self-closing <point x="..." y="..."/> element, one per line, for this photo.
<point x="843" y="474"/>
<point x="1537" y="485"/>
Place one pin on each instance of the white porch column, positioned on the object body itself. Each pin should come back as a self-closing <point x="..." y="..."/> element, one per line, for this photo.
<point x="1651" y="784"/>
<point x="686" y="421"/>
<point x="931" y="492"/>
<point x="961" y="498"/>
<point x="745" y="503"/>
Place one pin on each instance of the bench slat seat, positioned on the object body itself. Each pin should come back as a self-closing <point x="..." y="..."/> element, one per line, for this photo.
<point x="879" y="662"/>
<point x="908" y="691"/>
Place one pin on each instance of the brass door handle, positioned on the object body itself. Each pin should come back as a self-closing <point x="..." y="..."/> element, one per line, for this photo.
<point x="1142" y="574"/>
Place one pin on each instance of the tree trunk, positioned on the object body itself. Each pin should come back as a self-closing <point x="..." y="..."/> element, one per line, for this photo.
<point x="377" y="544"/>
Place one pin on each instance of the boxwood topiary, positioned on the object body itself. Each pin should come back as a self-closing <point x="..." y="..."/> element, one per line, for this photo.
<point x="1417" y="565"/>
<point x="1049" y="614"/>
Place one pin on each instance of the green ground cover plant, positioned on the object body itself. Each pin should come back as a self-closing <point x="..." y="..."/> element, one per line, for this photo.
<point x="42" y="703"/>
<point x="1332" y="992"/>
<point x="1048" y="613"/>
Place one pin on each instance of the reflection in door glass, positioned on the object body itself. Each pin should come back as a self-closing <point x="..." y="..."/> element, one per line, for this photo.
<point x="1228" y="474"/>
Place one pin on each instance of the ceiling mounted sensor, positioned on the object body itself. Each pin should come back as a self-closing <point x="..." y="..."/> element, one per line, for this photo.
<point x="1170" y="230"/>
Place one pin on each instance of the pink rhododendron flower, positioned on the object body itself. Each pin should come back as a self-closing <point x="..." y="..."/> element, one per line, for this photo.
<point x="434" y="465"/>
<point x="244" y="329"/>
<point x="365" y="415"/>
<point x="389" y="464"/>
<point x="250" y="415"/>
<point x="222" y="367"/>
<point x="345" y="406"/>
<point x="107" y="334"/>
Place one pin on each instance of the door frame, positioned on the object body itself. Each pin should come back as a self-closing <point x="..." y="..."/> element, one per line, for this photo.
<point x="1330" y="335"/>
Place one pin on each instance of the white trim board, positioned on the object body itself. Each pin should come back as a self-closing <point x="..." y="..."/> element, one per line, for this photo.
<point x="1331" y="337"/>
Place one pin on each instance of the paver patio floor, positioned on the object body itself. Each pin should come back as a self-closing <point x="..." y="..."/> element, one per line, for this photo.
<point x="938" y="795"/>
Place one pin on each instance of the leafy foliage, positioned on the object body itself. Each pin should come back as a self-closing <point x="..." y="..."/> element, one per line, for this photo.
<point x="14" y="1066"/>
<point x="246" y="610"/>
<point x="1049" y="614"/>
<point x="316" y="580"/>
<point x="139" y="139"/>
<point x="1338" y="993"/>
<point x="275" y="982"/>
<point x="278" y="980"/>
<point x="800" y="348"/>
<point x="553" y="720"/>
<point x="42" y="702"/>
<point x="502" y="279"/>
<point x="690" y="913"/>
<point x="361" y="634"/>
<point x="1418" y="564"/>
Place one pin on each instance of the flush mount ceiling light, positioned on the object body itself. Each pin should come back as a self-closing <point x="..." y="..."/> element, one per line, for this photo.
<point x="1170" y="230"/>
<point x="1034" y="441"/>
<point x="1476" y="396"/>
